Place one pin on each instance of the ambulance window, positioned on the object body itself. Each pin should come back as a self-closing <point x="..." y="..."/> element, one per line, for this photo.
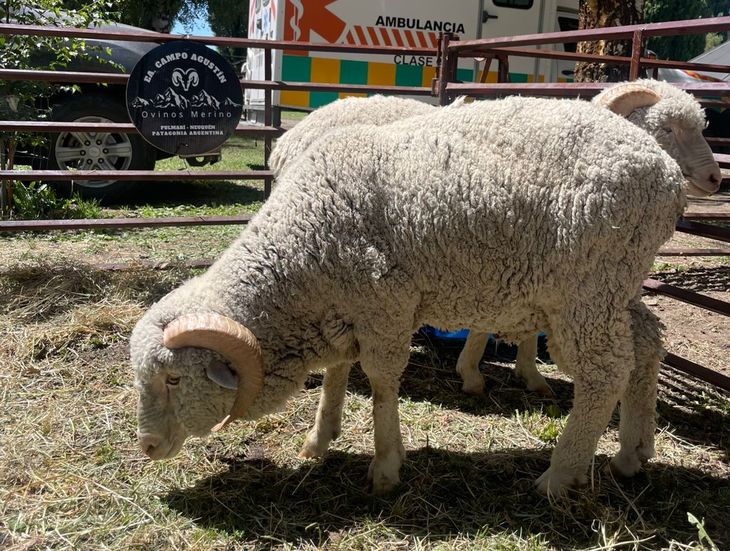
<point x="519" y="4"/>
<point x="568" y="24"/>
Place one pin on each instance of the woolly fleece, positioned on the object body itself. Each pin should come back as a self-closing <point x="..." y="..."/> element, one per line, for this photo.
<point x="376" y="110"/>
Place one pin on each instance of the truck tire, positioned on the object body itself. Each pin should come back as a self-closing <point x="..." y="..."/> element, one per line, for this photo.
<point x="96" y="151"/>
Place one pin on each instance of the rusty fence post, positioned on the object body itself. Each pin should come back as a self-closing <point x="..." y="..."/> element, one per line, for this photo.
<point x="503" y="68"/>
<point x="636" y="48"/>
<point x="267" y="121"/>
<point x="443" y="68"/>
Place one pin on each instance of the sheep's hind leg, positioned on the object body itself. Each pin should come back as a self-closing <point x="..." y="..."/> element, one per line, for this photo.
<point x="328" y="422"/>
<point x="468" y="363"/>
<point x="526" y="368"/>
<point x="597" y="348"/>
<point x="638" y="404"/>
<point x="383" y="366"/>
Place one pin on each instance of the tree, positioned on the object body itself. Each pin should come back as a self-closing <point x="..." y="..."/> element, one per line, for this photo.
<point x="605" y="13"/>
<point x="229" y="18"/>
<point x="155" y="15"/>
<point x="683" y="48"/>
<point x="679" y="48"/>
<point x="225" y="17"/>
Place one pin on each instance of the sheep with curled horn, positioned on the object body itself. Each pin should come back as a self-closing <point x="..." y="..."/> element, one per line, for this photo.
<point x="514" y="214"/>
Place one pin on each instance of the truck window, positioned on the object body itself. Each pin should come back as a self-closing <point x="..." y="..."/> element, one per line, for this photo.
<point x="519" y="4"/>
<point x="568" y="24"/>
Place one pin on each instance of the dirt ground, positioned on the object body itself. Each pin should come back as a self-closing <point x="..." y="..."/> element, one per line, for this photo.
<point x="692" y="332"/>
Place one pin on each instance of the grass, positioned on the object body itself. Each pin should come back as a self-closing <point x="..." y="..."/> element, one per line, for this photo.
<point x="71" y="475"/>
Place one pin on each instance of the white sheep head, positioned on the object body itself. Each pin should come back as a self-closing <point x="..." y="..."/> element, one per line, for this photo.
<point x="676" y="120"/>
<point x="192" y="373"/>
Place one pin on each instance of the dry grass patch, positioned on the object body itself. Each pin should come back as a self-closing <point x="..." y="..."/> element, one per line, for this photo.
<point x="71" y="476"/>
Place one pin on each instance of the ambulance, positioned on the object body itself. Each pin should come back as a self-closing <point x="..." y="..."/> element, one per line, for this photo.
<point x="415" y="23"/>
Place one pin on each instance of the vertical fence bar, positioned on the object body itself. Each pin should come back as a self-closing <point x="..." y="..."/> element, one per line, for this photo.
<point x="443" y="69"/>
<point x="487" y="64"/>
<point x="636" y="54"/>
<point x="503" y="68"/>
<point x="267" y="120"/>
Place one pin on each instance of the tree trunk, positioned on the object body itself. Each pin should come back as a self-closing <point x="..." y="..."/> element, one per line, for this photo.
<point x="594" y="14"/>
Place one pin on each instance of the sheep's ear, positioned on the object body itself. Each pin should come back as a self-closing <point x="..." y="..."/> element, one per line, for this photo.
<point x="221" y="374"/>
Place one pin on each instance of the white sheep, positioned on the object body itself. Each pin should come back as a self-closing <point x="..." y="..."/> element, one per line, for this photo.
<point x="377" y="110"/>
<point x="673" y="120"/>
<point x="515" y="214"/>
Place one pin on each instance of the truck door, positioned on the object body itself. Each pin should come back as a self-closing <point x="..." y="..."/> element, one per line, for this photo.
<point x="509" y="18"/>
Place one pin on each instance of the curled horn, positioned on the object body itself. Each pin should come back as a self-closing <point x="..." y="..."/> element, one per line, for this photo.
<point x="177" y="77"/>
<point x="237" y="344"/>
<point x="622" y="100"/>
<point x="193" y="79"/>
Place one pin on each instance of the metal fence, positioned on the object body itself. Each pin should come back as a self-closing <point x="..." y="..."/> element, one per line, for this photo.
<point x="444" y="86"/>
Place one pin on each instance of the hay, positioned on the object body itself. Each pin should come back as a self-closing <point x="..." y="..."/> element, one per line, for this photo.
<point x="71" y="476"/>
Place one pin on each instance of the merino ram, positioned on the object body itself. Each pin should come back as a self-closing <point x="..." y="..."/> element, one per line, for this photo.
<point x="515" y="214"/>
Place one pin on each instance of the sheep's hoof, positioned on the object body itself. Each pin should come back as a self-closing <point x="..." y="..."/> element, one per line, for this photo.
<point x="473" y="389"/>
<point x="556" y="484"/>
<point x="313" y="447"/>
<point x="542" y="389"/>
<point x="627" y="464"/>
<point x="384" y="473"/>
<point x="381" y="485"/>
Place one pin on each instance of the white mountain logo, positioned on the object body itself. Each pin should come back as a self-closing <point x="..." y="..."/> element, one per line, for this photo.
<point x="204" y="99"/>
<point x="169" y="98"/>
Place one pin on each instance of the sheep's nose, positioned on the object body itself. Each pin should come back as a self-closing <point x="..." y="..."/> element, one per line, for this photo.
<point x="150" y="444"/>
<point x="716" y="180"/>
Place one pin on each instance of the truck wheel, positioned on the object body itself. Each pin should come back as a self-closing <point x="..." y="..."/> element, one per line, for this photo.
<point x="96" y="150"/>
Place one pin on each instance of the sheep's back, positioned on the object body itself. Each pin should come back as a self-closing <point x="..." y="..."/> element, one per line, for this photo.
<point x="511" y="200"/>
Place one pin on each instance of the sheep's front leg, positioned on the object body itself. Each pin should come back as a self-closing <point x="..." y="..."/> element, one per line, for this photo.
<point x="599" y="352"/>
<point x="526" y="368"/>
<point x="638" y="404"/>
<point x="384" y="371"/>
<point x="328" y="421"/>
<point x="468" y="363"/>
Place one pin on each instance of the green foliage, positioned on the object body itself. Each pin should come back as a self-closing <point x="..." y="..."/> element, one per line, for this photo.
<point x="23" y="100"/>
<point x="225" y="17"/>
<point x="683" y="48"/>
<point x="155" y="15"/>
<point x="44" y="52"/>
<point x="229" y="18"/>
<point x="704" y="538"/>
<point x="39" y="201"/>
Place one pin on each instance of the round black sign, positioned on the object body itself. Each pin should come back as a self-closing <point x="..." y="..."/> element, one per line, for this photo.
<point x="184" y="98"/>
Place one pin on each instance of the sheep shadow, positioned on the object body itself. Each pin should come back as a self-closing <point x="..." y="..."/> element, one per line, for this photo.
<point x="446" y="494"/>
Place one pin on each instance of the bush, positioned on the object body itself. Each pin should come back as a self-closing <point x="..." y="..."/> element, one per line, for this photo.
<point x="38" y="201"/>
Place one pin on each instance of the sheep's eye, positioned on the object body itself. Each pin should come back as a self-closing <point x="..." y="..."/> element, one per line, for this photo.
<point x="667" y="130"/>
<point x="173" y="381"/>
